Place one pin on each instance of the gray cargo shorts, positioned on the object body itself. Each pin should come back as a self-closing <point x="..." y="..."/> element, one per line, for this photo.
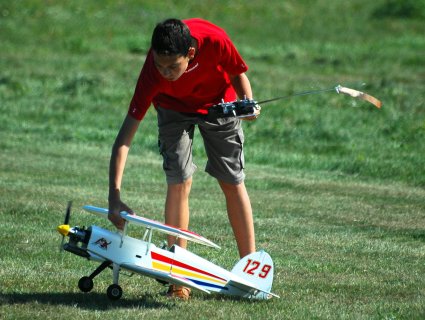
<point x="223" y="142"/>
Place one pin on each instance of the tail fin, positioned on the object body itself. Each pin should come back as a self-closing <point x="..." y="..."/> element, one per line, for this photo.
<point x="257" y="268"/>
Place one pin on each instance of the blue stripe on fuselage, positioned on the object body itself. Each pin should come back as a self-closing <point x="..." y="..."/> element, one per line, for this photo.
<point x="206" y="284"/>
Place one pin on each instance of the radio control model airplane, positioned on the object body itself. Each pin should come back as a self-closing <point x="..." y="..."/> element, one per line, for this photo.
<point x="251" y="277"/>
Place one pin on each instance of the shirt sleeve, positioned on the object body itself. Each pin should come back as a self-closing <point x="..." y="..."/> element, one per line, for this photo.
<point x="230" y="59"/>
<point x="146" y="89"/>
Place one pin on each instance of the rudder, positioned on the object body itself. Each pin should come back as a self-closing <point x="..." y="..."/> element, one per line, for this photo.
<point x="256" y="268"/>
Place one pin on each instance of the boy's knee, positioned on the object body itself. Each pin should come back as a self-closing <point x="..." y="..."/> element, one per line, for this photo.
<point x="230" y="187"/>
<point x="182" y="187"/>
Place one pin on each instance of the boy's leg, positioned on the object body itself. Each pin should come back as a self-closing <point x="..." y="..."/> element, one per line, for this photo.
<point x="224" y="146"/>
<point x="176" y="132"/>
<point x="240" y="216"/>
<point x="177" y="214"/>
<point x="177" y="209"/>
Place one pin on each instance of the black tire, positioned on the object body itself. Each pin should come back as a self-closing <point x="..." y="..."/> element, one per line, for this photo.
<point x="114" y="292"/>
<point x="85" y="284"/>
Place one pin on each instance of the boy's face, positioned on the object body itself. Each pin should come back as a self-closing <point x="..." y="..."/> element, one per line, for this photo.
<point x="172" y="67"/>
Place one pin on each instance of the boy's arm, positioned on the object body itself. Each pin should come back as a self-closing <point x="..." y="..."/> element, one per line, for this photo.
<point x="241" y="85"/>
<point x="243" y="89"/>
<point x="116" y="169"/>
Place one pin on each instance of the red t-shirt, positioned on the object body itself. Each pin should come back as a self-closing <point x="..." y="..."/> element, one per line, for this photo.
<point x="205" y="81"/>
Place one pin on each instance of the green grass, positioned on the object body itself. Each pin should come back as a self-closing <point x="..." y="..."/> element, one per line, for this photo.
<point x="337" y="186"/>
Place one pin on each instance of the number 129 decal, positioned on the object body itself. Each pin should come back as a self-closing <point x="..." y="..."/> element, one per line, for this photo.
<point x="253" y="268"/>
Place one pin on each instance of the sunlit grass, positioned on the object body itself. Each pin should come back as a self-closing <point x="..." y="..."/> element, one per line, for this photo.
<point x="336" y="185"/>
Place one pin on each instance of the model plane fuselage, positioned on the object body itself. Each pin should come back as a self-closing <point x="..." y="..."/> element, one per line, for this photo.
<point x="252" y="276"/>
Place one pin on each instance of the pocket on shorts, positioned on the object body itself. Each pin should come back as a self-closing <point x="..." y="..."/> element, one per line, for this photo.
<point x="161" y="149"/>
<point x="241" y="138"/>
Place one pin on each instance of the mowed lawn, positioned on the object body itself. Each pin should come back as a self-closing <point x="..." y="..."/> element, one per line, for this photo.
<point x="337" y="186"/>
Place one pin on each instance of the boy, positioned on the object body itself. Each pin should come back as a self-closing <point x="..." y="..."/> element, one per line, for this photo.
<point x="192" y="65"/>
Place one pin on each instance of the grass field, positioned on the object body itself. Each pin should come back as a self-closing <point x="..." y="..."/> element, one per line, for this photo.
<point x="337" y="186"/>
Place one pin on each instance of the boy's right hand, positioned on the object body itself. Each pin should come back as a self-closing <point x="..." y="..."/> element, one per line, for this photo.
<point x="116" y="206"/>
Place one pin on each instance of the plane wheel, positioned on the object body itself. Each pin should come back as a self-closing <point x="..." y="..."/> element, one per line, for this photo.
<point x="85" y="284"/>
<point x="114" y="292"/>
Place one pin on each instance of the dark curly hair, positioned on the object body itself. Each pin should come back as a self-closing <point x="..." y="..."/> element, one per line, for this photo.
<point x="171" y="37"/>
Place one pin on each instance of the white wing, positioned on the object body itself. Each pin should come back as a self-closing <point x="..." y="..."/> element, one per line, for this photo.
<point x="152" y="224"/>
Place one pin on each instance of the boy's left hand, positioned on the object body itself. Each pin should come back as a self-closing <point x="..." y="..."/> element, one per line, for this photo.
<point x="257" y="111"/>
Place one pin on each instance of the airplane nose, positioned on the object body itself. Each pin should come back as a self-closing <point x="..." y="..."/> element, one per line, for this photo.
<point x="63" y="229"/>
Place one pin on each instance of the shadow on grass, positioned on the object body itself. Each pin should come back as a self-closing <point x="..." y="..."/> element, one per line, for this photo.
<point x="98" y="301"/>
<point x="92" y="301"/>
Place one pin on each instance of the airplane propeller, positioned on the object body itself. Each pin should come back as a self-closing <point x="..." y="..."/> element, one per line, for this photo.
<point x="68" y="212"/>
<point x="64" y="228"/>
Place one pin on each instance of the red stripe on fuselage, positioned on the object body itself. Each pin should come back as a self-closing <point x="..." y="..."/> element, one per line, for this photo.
<point x="157" y="256"/>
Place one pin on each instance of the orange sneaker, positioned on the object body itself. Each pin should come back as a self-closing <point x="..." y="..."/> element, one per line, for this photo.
<point x="178" y="292"/>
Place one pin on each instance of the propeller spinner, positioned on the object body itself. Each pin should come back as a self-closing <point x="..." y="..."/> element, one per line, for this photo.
<point x="64" y="228"/>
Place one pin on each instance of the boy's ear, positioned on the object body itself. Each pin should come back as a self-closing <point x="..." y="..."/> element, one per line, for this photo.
<point x="191" y="53"/>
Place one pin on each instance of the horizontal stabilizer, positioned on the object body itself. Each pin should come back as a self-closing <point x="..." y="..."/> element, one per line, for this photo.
<point x="251" y="290"/>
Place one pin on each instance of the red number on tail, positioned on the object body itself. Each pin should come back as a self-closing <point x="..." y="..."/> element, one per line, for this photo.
<point x="252" y="266"/>
<point x="265" y="271"/>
